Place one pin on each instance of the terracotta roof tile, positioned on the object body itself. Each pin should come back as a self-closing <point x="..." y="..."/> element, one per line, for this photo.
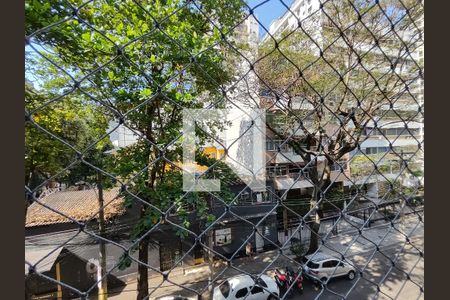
<point x="79" y="205"/>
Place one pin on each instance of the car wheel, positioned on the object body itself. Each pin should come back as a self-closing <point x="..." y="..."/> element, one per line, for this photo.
<point x="323" y="279"/>
<point x="351" y="275"/>
<point x="271" y="297"/>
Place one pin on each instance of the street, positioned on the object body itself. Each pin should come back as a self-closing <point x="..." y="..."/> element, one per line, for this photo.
<point x="394" y="286"/>
<point x="381" y="278"/>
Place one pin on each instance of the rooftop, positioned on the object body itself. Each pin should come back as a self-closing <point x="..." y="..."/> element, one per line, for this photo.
<point x="77" y="205"/>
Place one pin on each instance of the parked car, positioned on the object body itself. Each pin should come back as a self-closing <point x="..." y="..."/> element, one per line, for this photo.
<point x="238" y="287"/>
<point x="321" y="266"/>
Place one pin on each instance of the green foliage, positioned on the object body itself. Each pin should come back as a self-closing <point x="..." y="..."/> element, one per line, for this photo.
<point x="298" y="249"/>
<point x="74" y="121"/>
<point x="331" y="73"/>
<point x="334" y="198"/>
<point x="148" y="75"/>
<point x="327" y="69"/>
<point x="124" y="262"/>
<point x="418" y="173"/>
<point x="363" y="165"/>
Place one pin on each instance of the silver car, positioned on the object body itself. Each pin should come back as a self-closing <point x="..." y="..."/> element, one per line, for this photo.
<point x="322" y="266"/>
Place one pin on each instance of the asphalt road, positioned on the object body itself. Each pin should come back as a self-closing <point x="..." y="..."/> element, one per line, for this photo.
<point x="378" y="272"/>
<point x="379" y="280"/>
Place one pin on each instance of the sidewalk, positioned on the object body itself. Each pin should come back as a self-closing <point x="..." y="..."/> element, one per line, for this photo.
<point x="196" y="277"/>
<point x="382" y="235"/>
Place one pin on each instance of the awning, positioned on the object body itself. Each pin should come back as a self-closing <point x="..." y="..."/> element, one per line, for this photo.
<point x="34" y="253"/>
<point x="287" y="157"/>
<point x="289" y="183"/>
<point x="394" y="124"/>
<point x="246" y="217"/>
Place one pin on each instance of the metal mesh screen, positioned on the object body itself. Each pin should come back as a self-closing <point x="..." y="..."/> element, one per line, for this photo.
<point x="322" y="108"/>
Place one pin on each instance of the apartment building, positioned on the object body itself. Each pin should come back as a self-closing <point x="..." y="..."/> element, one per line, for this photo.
<point x="396" y="130"/>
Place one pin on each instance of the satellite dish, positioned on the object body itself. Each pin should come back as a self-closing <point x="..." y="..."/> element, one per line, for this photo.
<point x="91" y="265"/>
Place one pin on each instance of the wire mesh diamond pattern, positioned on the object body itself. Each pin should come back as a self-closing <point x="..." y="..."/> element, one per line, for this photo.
<point x="310" y="127"/>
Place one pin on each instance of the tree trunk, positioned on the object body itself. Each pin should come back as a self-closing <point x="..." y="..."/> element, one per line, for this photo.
<point x="317" y="209"/>
<point x="315" y="226"/>
<point x="142" y="280"/>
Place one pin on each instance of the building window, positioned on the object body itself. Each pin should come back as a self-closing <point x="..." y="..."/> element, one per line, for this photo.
<point x="223" y="236"/>
<point x="266" y="230"/>
<point x="260" y="197"/>
<point x="337" y="166"/>
<point x="296" y="171"/>
<point x="391" y="131"/>
<point x="273" y="145"/>
<point x="270" y="145"/>
<point x="247" y="198"/>
<point x="274" y="171"/>
<point x="244" y="198"/>
<point x="375" y="150"/>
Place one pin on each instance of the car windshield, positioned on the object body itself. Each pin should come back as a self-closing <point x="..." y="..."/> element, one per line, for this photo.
<point x="225" y="288"/>
<point x="310" y="264"/>
<point x="261" y="282"/>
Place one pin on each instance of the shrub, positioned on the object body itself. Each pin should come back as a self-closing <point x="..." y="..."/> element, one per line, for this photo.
<point x="298" y="249"/>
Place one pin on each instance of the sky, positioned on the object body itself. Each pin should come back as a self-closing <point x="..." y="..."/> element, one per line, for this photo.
<point x="268" y="11"/>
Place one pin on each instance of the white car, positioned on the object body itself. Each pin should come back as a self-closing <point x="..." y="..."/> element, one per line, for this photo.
<point x="244" y="287"/>
<point x="323" y="266"/>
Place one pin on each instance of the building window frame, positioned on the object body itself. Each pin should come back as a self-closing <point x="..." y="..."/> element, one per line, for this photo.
<point x="223" y="236"/>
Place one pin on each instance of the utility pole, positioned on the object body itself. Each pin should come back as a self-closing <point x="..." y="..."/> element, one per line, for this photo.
<point x="285" y="217"/>
<point x="59" y="294"/>
<point x="210" y="243"/>
<point x="402" y="181"/>
<point x="102" y="284"/>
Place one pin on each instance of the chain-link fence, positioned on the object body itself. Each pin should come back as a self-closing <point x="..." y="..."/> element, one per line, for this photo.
<point x="194" y="149"/>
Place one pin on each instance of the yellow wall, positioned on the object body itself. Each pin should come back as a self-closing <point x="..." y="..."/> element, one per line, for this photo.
<point x="212" y="152"/>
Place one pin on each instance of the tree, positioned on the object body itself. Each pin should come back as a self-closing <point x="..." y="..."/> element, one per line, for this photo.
<point x="145" y="61"/>
<point x="328" y="79"/>
<point x="74" y="121"/>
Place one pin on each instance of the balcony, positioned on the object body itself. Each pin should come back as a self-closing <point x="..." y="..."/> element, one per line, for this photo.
<point x="287" y="157"/>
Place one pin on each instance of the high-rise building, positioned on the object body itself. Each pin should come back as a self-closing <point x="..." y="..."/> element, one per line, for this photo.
<point x="388" y="43"/>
